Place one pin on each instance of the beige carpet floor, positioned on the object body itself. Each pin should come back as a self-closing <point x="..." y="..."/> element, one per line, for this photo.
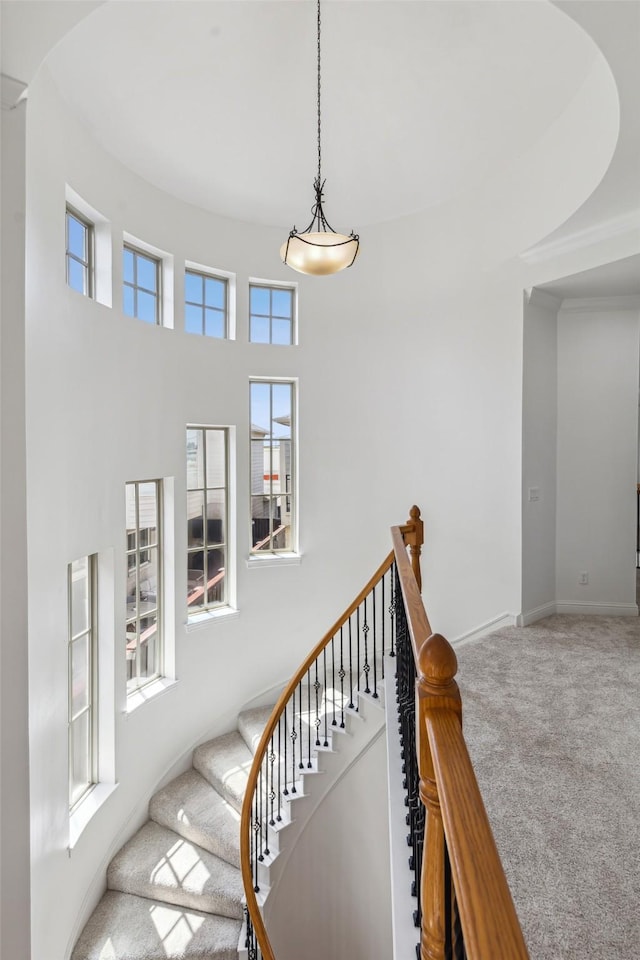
<point x="552" y="720"/>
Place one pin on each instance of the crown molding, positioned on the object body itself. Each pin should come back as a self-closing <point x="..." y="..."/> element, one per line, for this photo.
<point x="12" y="90"/>
<point x="600" y="304"/>
<point x="535" y="297"/>
<point x="614" y="227"/>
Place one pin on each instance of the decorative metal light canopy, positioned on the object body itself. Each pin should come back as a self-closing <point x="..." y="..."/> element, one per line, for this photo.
<point x="319" y="250"/>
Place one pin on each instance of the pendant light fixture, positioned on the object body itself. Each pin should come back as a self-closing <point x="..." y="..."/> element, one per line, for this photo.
<point x="319" y="250"/>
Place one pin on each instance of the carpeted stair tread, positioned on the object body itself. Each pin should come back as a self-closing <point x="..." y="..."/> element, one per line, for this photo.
<point x="251" y="724"/>
<point x="225" y="762"/>
<point x="159" y="864"/>
<point x="192" y="808"/>
<point x="124" y="927"/>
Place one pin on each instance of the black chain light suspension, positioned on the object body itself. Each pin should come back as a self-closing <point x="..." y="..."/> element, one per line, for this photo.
<point x="319" y="250"/>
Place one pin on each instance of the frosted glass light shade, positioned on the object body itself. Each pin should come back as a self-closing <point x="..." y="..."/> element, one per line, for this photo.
<point x="319" y="253"/>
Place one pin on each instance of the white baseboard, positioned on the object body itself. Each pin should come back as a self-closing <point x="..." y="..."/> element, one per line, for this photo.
<point x="530" y="616"/>
<point x="599" y="609"/>
<point x="504" y="620"/>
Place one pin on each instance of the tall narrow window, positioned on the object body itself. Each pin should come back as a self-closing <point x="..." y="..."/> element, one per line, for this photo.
<point x="205" y="304"/>
<point x="207" y="517"/>
<point x="141" y="285"/>
<point x="83" y="760"/>
<point x="273" y="506"/>
<point x="271" y="314"/>
<point x="144" y="583"/>
<point x="79" y="252"/>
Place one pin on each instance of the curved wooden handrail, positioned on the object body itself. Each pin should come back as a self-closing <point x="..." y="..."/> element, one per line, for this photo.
<point x="252" y="780"/>
<point x="489" y="920"/>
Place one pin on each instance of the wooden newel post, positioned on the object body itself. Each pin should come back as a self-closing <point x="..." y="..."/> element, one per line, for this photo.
<point x="413" y="533"/>
<point x="436" y="689"/>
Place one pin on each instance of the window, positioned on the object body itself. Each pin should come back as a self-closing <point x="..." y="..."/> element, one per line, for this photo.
<point x="83" y="760"/>
<point x="271" y="312"/>
<point x="144" y="583"/>
<point x="141" y="285"/>
<point x="79" y="252"/>
<point x="207" y="517"/>
<point x="273" y="501"/>
<point x="205" y="304"/>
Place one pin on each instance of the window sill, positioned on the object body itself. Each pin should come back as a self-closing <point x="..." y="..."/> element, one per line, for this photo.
<point x="85" y="810"/>
<point x="206" y="617"/>
<point x="274" y="560"/>
<point x="149" y="692"/>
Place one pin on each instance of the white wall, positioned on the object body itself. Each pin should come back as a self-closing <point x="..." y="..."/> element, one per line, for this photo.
<point x="539" y="443"/>
<point x="14" y="718"/>
<point x="598" y="350"/>
<point x="334" y="896"/>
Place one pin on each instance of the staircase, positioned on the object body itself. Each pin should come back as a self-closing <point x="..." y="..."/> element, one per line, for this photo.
<point x="174" y="891"/>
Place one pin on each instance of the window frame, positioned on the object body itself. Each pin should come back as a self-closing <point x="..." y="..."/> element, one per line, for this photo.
<point x="88" y="266"/>
<point x="208" y="275"/>
<point x="157" y="293"/>
<point x="274" y="286"/>
<point x="138" y="548"/>
<point x="290" y="494"/>
<point x="92" y="707"/>
<point x="192" y="611"/>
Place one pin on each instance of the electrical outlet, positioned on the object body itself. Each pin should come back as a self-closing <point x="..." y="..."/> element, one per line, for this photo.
<point x="583" y="579"/>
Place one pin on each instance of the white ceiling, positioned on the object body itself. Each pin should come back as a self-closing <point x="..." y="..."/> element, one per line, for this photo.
<point x="215" y="101"/>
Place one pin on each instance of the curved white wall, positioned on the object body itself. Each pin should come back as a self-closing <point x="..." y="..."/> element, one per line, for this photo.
<point x="410" y="369"/>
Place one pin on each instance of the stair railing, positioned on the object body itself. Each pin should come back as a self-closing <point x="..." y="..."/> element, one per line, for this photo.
<point x="465" y="908"/>
<point x="348" y="661"/>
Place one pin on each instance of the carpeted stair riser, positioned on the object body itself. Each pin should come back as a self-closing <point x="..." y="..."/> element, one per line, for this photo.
<point x="158" y="864"/>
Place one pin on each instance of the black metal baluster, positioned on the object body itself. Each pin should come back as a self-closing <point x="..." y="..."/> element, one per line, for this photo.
<point x="358" y="653"/>
<point x="300" y="761"/>
<point x="256" y="828"/>
<point x="285" y="792"/>
<point x="266" y="808"/>
<point x="334" y="722"/>
<point x="279" y="817"/>
<point x="341" y="674"/>
<point x="350" y="667"/>
<point x="324" y="664"/>
<point x="392" y="608"/>
<point x="309" y="764"/>
<point x="448" y="924"/>
<point x="316" y="687"/>
<point x="375" y="650"/>
<point x="259" y="806"/>
<point x="365" y="632"/>
<point x="382" y="619"/>
<point x="293" y="744"/>
<point x="272" y="793"/>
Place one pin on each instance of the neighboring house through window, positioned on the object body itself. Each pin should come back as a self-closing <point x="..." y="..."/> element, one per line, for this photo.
<point x="273" y="466"/>
<point x="207" y="517"/>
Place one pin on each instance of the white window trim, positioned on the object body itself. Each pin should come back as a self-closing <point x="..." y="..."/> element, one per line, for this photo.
<point x="281" y="285"/>
<point x="82" y="813"/>
<point x="216" y="274"/>
<point x="102" y="247"/>
<point x="166" y="279"/>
